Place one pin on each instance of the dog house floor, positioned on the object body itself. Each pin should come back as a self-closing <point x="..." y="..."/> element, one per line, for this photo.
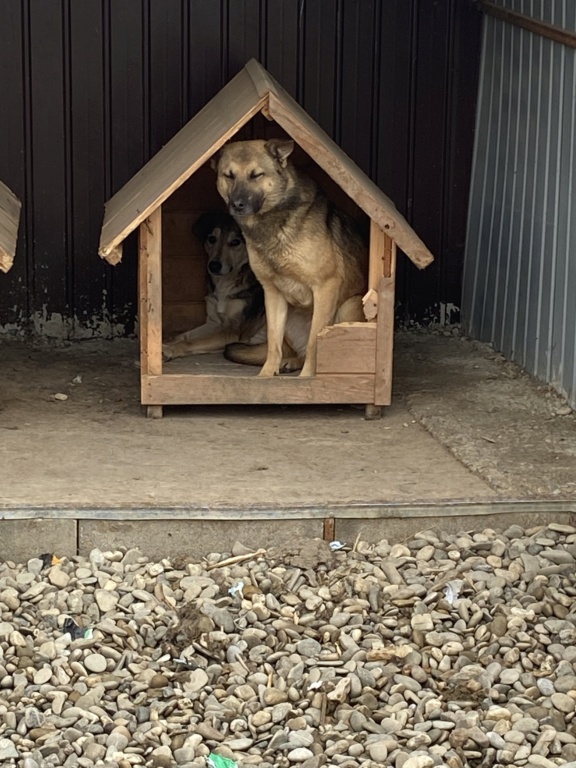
<point x="212" y="364"/>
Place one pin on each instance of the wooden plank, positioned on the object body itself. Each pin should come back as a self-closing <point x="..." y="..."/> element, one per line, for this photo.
<point x="190" y="389"/>
<point x="263" y="82"/>
<point x="379" y="243"/>
<point x="183" y="281"/>
<point x="9" y="220"/>
<point x="290" y="116"/>
<point x="179" y="317"/>
<point x="542" y="28"/>
<point x="150" y="294"/>
<point x="329" y="532"/>
<point x="560" y="509"/>
<point x="385" y="329"/>
<point x="190" y="148"/>
<point x="347" y="348"/>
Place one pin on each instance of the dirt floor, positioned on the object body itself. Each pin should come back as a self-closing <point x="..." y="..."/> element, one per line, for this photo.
<point x="464" y="424"/>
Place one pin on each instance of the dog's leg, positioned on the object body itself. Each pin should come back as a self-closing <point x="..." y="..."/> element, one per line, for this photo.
<point x="325" y="305"/>
<point x="276" y="313"/>
<point x="200" y="341"/>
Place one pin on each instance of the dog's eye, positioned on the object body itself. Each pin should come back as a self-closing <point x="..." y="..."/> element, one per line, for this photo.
<point x="256" y="174"/>
<point x="235" y="242"/>
<point x="230" y="175"/>
<point x="211" y="239"/>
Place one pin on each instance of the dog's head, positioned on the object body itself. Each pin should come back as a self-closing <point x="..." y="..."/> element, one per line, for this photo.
<point x="223" y="243"/>
<point x="252" y="176"/>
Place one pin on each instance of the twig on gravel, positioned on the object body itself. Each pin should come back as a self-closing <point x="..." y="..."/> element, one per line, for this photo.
<point x="236" y="559"/>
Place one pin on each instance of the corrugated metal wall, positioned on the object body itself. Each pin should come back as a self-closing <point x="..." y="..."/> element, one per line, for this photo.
<point x="520" y="269"/>
<point x="91" y="89"/>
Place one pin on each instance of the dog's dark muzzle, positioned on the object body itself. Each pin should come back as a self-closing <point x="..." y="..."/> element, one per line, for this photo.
<point x="242" y="202"/>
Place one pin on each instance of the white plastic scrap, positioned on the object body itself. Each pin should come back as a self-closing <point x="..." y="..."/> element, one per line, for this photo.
<point x="237" y="589"/>
<point x="336" y="545"/>
<point x="315" y="685"/>
<point x="452" y="590"/>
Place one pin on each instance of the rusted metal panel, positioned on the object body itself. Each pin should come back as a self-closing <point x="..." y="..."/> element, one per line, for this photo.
<point x="520" y="269"/>
<point x="92" y="90"/>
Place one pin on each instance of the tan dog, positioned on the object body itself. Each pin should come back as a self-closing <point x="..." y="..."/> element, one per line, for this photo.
<point x="304" y="252"/>
<point x="235" y="301"/>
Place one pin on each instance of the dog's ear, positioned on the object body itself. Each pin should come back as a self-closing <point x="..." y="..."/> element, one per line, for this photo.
<point x="280" y="150"/>
<point x="215" y="159"/>
<point x="205" y="223"/>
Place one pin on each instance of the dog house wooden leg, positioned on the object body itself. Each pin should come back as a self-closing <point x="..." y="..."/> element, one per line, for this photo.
<point x="372" y="412"/>
<point x="385" y="326"/>
<point x="150" y="288"/>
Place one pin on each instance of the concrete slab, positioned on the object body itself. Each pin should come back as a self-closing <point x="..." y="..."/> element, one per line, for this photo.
<point x="400" y="529"/>
<point x="96" y="448"/>
<point x="195" y="538"/>
<point x="22" y="539"/>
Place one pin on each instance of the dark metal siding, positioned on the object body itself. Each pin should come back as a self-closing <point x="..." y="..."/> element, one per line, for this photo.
<point x="90" y="90"/>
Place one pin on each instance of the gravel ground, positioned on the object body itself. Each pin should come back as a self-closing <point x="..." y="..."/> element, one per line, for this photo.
<point x="445" y="650"/>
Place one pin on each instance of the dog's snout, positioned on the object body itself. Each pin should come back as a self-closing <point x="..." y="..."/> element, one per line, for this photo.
<point x="243" y="201"/>
<point x="215" y="267"/>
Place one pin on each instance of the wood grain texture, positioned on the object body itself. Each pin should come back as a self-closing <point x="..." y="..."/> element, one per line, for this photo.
<point x="187" y="389"/>
<point x="190" y="148"/>
<point x="288" y="114"/>
<point x="378" y="243"/>
<point x="150" y="294"/>
<point x="385" y="332"/>
<point x="562" y="510"/>
<point x="9" y="220"/>
<point x="251" y="91"/>
<point x="542" y="28"/>
<point x="347" y="348"/>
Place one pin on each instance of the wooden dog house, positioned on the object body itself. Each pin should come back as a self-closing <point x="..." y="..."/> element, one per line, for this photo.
<point x="9" y="220"/>
<point x="354" y="359"/>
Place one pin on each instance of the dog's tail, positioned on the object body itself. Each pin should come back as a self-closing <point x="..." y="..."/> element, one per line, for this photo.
<point x="246" y="354"/>
<point x="255" y="354"/>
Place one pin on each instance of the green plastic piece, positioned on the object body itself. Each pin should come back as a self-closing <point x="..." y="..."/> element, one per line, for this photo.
<point x="219" y="761"/>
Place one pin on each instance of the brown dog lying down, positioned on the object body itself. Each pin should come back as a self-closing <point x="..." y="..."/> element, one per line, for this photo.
<point x="305" y="252"/>
<point x="234" y="303"/>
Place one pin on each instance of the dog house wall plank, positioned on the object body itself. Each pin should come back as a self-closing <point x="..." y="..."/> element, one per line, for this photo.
<point x="149" y="275"/>
<point x="9" y="220"/>
<point x="183" y="272"/>
<point x="347" y="348"/>
<point x="385" y="329"/>
<point x="380" y="244"/>
<point x="195" y="143"/>
<point x="186" y="389"/>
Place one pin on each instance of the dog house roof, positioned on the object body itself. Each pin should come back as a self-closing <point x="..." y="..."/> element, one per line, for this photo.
<point x="9" y="219"/>
<point x="251" y="91"/>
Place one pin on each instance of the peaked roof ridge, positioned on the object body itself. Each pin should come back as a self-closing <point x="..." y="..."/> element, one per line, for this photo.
<point x="263" y="81"/>
<point x="251" y="91"/>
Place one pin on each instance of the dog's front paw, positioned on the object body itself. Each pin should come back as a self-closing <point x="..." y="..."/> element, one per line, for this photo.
<point x="307" y="370"/>
<point x="268" y="371"/>
<point x="291" y="365"/>
<point x="167" y="352"/>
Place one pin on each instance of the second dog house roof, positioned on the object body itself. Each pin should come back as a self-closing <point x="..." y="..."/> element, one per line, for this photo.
<point x="251" y="91"/>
